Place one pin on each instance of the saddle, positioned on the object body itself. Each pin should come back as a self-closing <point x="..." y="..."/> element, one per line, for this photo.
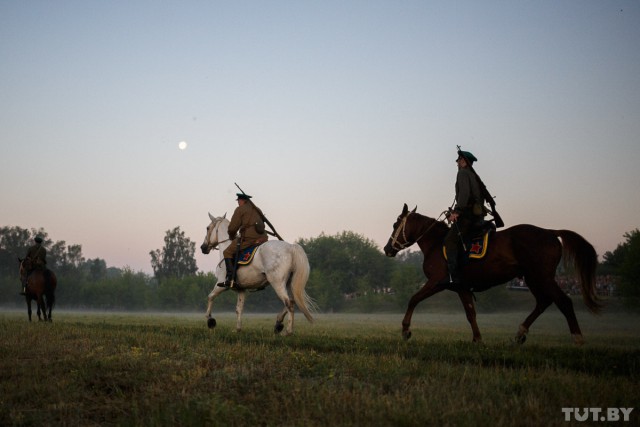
<point x="244" y="258"/>
<point x="246" y="255"/>
<point x="477" y="242"/>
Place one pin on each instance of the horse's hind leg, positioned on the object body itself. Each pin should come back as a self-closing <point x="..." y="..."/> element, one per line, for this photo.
<point x="564" y="303"/>
<point x="542" y="302"/>
<point x="281" y="291"/>
<point x="552" y="293"/>
<point x="279" y="321"/>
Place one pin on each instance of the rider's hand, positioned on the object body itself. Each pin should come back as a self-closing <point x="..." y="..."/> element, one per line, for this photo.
<point x="453" y="217"/>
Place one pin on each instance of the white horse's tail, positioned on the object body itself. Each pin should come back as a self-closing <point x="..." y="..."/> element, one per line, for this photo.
<point x="299" y="280"/>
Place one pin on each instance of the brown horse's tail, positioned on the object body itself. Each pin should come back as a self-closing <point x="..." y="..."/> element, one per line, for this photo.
<point x="51" y="282"/>
<point x="585" y="261"/>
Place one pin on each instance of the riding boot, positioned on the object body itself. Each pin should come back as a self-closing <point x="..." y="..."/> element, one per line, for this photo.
<point x="453" y="279"/>
<point x="228" y="281"/>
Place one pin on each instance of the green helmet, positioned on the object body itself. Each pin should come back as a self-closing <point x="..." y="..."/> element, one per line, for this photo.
<point x="467" y="155"/>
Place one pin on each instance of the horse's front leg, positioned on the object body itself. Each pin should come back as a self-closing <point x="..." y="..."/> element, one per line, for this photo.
<point x="29" y="308"/>
<point x="41" y="308"/>
<point x="425" y="292"/>
<point x="466" y="298"/>
<point x="217" y="290"/>
<point x="239" y="309"/>
<point x="49" y="308"/>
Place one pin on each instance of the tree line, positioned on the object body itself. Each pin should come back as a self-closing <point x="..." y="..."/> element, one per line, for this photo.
<point x="348" y="272"/>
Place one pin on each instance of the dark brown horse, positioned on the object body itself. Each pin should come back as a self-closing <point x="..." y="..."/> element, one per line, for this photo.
<point x="519" y="251"/>
<point x="40" y="285"/>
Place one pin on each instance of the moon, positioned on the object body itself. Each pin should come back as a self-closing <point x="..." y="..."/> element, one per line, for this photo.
<point x="182" y="145"/>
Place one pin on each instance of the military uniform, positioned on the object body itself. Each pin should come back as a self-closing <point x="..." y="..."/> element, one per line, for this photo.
<point x="38" y="256"/>
<point x="246" y="219"/>
<point x="470" y="209"/>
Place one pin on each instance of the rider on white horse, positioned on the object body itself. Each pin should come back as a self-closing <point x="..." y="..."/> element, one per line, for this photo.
<point x="247" y="220"/>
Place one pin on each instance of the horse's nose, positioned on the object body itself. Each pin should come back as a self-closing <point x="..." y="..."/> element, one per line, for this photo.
<point x="389" y="251"/>
<point x="205" y="248"/>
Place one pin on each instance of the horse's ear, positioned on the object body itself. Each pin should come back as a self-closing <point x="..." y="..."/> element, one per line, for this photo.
<point x="414" y="209"/>
<point x="211" y="217"/>
<point x="405" y="209"/>
<point x="224" y="216"/>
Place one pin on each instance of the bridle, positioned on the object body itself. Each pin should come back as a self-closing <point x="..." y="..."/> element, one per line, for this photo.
<point x="395" y="243"/>
<point x="217" y="228"/>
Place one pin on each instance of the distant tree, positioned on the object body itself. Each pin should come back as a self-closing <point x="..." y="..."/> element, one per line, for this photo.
<point x="12" y="245"/>
<point x="96" y="269"/>
<point x="406" y="279"/>
<point x="628" y="268"/>
<point x="344" y="264"/>
<point x="177" y="257"/>
<point x="612" y="261"/>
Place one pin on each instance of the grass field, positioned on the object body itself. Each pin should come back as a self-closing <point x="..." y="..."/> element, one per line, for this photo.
<point x="344" y="370"/>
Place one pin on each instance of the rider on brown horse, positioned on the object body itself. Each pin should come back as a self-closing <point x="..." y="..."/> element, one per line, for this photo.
<point x="467" y="212"/>
<point x="36" y="260"/>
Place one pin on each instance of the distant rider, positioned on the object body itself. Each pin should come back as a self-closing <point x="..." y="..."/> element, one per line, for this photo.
<point x="36" y="259"/>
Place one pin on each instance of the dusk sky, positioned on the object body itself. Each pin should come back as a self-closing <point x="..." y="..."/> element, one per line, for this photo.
<point x="332" y="114"/>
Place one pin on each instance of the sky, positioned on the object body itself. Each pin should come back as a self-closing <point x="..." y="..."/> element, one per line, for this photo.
<point x="331" y="114"/>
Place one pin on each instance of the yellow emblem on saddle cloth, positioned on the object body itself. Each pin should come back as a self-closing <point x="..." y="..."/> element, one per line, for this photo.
<point x="477" y="247"/>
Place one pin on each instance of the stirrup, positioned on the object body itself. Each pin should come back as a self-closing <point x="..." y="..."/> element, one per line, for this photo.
<point x="225" y="284"/>
<point x="228" y="283"/>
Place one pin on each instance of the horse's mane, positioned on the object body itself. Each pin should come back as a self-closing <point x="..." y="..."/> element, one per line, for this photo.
<point x="430" y="225"/>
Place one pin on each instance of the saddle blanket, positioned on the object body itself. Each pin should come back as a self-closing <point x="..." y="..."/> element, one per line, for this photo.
<point x="246" y="255"/>
<point x="476" y="246"/>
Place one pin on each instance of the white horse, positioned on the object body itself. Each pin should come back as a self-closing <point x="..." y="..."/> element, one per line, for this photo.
<point x="282" y="265"/>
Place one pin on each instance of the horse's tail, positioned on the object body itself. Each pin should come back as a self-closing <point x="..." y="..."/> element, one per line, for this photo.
<point x="299" y="280"/>
<point x="585" y="261"/>
<point x="50" y="284"/>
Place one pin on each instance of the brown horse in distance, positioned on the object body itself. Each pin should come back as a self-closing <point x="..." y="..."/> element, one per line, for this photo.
<point x="519" y="251"/>
<point x="40" y="285"/>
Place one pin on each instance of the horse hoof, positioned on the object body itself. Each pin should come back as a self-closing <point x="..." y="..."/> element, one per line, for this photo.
<point x="520" y="339"/>
<point x="278" y="328"/>
<point x="406" y="335"/>
<point x="211" y="323"/>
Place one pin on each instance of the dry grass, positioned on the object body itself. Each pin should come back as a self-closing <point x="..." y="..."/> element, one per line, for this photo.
<point x="125" y="369"/>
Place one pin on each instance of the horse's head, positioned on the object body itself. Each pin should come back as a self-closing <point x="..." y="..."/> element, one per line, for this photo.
<point x="211" y="239"/>
<point x="25" y="266"/>
<point x="401" y="235"/>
